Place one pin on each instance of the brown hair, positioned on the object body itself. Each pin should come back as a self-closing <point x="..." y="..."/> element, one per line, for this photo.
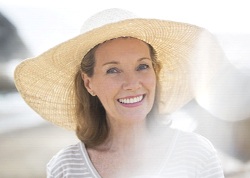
<point x="92" y="128"/>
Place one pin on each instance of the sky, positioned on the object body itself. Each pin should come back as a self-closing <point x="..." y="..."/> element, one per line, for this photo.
<point x="217" y="15"/>
<point x="59" y="20"/>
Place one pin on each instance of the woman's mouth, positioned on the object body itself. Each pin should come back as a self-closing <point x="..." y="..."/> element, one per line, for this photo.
<point x="131" y="100"/>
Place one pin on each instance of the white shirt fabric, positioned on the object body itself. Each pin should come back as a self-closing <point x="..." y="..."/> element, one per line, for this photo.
<point x="189" y="155"/>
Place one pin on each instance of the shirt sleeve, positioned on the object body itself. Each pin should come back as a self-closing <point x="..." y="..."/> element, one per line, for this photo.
<point x="49" y="175"/>
<point x="212" y="167"/>
<point x="48" y="171"/>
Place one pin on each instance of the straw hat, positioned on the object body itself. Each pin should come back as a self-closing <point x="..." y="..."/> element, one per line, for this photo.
<point x="46" y="82"/>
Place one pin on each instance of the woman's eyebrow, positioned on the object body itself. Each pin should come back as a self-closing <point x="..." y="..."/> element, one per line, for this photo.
<point x="111" y="62"/>
<point x="116" y="62"/>
<point x="144" y="58"/>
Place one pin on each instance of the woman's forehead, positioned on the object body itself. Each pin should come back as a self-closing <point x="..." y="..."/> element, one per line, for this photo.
<point x="122" y="49"/>
<point x="122" y="44"/>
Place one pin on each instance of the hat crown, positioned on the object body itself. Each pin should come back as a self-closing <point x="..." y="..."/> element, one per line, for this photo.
<point x="106" y="17"/>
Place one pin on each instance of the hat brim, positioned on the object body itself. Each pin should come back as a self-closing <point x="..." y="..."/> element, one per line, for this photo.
<point x="46" y="82"/>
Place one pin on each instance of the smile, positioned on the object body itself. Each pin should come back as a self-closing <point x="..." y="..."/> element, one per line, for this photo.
<point x="132" y="100"/>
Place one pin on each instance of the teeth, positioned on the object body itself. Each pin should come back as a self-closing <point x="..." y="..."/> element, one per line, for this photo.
<point x="131" y="100"/>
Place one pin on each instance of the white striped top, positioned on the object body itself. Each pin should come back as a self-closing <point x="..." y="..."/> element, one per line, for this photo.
<point x="189" y="155"/>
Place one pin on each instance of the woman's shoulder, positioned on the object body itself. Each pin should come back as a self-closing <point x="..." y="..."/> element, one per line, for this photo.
<point x="68" y="158"/>
<point x="185" y="139"/>
<point x="193" y="147"/>
<point x="68" y="153"/>
<point x="194" y="141"/>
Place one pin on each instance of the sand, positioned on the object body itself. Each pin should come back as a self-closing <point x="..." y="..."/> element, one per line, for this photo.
<point x="25" y="153"/>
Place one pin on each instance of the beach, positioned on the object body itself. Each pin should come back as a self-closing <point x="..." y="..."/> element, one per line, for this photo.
<point x="27" y="142"/>
<point x="24" y="153"/>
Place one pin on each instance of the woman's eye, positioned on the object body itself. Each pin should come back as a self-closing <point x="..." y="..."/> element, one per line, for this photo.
<point x="112" y="71"/>
<point x="142" y="67"/>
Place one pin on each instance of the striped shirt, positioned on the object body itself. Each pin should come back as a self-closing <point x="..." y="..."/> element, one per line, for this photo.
<point x="189" y="156"/>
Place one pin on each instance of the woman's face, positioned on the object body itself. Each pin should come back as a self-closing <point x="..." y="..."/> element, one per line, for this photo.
<point x="124" y="79"/>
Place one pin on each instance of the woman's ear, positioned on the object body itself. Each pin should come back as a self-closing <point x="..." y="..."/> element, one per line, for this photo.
<point x="87" y="83"/>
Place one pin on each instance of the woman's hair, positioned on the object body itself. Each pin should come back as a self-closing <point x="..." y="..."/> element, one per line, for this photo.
<point x="92" y="128"/>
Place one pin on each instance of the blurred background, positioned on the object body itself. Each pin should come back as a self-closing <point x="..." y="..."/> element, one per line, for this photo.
<point x="28" y="28"/>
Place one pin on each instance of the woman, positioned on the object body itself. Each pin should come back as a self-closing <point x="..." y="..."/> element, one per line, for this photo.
<point x="114" y="85"/>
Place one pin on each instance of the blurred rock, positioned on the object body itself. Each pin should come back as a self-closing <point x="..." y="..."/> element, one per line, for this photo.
<point x="12" y="47"/>
<point x="6" y="85"/>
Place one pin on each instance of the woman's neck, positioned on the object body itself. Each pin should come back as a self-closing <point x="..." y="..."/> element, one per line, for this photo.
<point x="125" y="137"/>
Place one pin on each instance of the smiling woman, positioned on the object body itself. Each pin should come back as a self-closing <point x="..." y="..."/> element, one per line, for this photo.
<point x="123" y="77"/>
<point x="114" y="85"/>
<point x="112" y="63"/>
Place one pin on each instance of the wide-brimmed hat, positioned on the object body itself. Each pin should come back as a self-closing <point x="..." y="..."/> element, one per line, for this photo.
<point x="46" y="82"/>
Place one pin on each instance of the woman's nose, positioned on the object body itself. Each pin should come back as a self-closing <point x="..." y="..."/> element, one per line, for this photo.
<point x="131" y="82"/>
